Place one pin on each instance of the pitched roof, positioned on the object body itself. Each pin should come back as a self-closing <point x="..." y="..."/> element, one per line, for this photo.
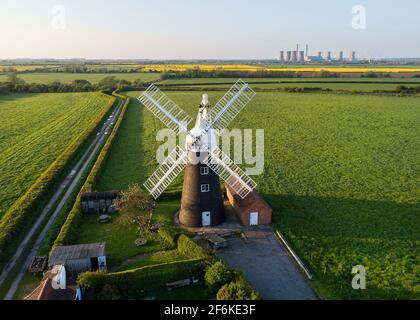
<point x="79" y="251"/>
<point x="249" y="202"/>
<point x="45" y="291"/>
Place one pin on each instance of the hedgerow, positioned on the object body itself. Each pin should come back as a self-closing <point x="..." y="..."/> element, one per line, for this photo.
<point x="190" y="249"/>
<point x="68" y="232"/>
<point x="20" y="215"/>
<point x="137" y="283"/>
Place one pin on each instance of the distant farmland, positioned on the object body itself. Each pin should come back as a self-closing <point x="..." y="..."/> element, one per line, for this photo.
<point x="49" y="77"/>
<point x="279" y="80"/>
<point x="35" y="129"/>
<point x="340" y="173"/>
<point x="279" y="67"/>
<point x="349" y="84"/>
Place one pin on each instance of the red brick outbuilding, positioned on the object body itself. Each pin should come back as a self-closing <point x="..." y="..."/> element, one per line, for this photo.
<point x="252" y="210"/>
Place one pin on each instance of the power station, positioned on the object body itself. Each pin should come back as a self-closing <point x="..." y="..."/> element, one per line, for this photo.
<point x="296" y="56"/>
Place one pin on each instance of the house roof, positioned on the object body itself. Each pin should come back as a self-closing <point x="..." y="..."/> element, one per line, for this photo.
<point x="79" y="251"/>
<point x="250" y="202"/>
<point x="45" y="291"/>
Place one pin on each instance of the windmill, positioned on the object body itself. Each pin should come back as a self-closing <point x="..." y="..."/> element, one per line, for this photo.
<point x="203" y="161"/>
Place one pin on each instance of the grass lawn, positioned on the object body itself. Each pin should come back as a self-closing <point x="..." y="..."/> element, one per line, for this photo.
<point x="156" y="258"/>
<point x="124" y="165"/>
<point x="27" y="285"/>
<point x="121" y="233"/>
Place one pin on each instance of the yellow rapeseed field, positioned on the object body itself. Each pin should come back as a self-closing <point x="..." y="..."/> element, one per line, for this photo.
<point x="243" y="67"/>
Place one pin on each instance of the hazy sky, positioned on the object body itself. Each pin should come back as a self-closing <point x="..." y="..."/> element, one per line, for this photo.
<point x="230" y="29"/>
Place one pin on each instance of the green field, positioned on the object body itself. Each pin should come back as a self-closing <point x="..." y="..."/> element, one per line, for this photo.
<point x="279" y="80"/>
<point x="365" y="87"/>
<point x="46" y="78"/>
<point x="349" y="84"/>
<point x="35" y="129"/>
<point x="341" y="173"/>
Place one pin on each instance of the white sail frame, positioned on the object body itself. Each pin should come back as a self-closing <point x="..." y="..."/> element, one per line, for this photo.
<point x="166" y="172"/>
<point x="165" y="109"/>
<point x="231" y="173"/>
<point x="230" y="105"/>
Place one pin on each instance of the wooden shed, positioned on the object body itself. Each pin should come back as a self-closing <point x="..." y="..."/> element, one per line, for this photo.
<point x="79" y="258"/>
<point x="98" y="201"/>
<point x="252" y="210"/>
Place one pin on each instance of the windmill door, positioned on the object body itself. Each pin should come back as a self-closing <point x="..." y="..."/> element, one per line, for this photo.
<point x="253" y="218"/>
<point x="205" y="218"/>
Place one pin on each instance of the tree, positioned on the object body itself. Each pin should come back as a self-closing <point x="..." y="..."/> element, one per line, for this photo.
<point x="218" y="274"/>
<point x="109" y="82"/>
<point x="138" y="83"/>
<point x="123" y="83"/>
<point x="239" y="289"/>
<point x="135" y="200"/>
<point x="13" y="79"/>
<point x="81" y="82"/>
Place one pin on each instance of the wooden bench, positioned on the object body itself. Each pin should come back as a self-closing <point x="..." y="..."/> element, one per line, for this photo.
<point x="216" y="241"/>
<point x="178" y="284"/>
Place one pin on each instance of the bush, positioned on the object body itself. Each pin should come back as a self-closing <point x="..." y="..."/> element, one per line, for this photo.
<point x="219" y="274"/>
<point x="190" y="249"/>
<point x="137" y="283"/>
<point x="239" y="289"/>
<point x="167" y="236"/>
<point x="109" y="292"/>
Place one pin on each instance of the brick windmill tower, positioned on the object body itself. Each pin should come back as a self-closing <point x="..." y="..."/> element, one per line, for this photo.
<point x="204" y="162"/>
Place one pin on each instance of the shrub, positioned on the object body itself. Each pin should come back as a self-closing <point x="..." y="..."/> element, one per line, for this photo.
<point x="109" y="292"/>
<point x="190" y="249"/>
<point x="240" y="289"/>
<point x="166" y="236"/>
<point x="133" y="284"/>
<point x="219" y="274"/>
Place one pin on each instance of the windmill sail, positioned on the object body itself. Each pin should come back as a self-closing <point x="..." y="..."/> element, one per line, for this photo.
<point x="165" y="109"/>
<point x="166" y="172"/>
<point x="230" y="105"/>
<point x="234" y="176"/>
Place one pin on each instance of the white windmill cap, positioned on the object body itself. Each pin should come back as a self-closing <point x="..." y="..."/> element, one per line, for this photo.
<point x="205" y="101"/>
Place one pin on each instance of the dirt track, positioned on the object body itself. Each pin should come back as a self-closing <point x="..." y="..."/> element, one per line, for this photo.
<point x="67" y="187"/>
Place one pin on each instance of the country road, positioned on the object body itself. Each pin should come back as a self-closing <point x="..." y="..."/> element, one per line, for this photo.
<point x="62" y="194"/>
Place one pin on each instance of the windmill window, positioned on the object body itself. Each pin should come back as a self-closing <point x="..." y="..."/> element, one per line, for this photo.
<point x="205" y="188"/>
<point x="204" y="171"/>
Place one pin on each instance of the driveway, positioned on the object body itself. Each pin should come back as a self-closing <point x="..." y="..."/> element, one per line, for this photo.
<point x="266" y="265"/>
